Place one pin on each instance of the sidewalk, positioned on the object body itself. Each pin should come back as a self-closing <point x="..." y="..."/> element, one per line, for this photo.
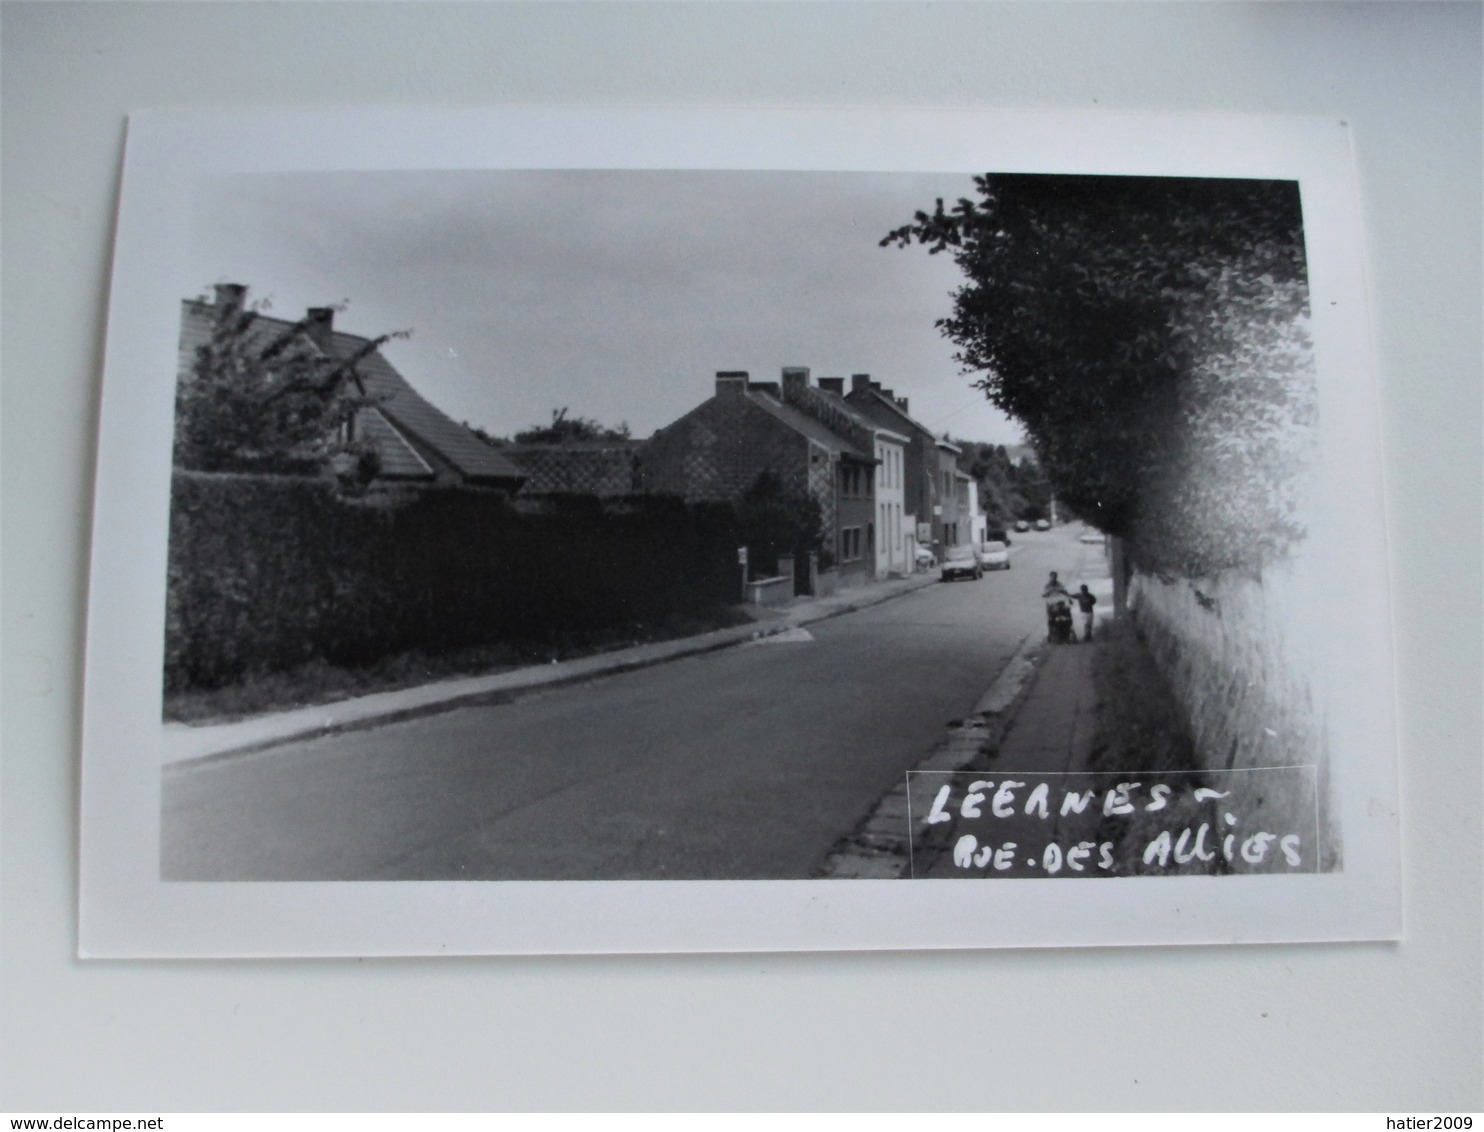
<point x="1039" y="714"/>
<point x="1056" y="722"/>
<point x="183" y="742"/>
<point x="1054" y="727"/>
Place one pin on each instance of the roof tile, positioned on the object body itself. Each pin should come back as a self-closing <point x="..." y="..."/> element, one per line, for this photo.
<point x="401" y="405"/>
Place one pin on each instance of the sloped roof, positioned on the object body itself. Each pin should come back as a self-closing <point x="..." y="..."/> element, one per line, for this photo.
<point x="601" y="468"/>
<point x="399" y="460"/>
<point x="397" y="400"/>
<point x="802" y="422"/>
<point x="859" y="417"/>
<point x="410" y="411"/>
<point x="882" y="399"/>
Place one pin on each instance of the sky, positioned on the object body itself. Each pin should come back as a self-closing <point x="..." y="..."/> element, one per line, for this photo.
<point x="615" y="294"/>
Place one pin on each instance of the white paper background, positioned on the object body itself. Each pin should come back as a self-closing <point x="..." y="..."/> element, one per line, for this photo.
<point x="1369" y="1026"/>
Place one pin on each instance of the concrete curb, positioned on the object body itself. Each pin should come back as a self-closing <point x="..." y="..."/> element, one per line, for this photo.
<point x="881" y="846"/>
<point x="182" y="744"/>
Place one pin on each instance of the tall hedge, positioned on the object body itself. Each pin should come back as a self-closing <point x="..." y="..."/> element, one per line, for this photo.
<point x="267" y="572"/>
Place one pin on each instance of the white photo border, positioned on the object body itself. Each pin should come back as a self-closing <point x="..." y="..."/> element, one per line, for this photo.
<point x="127" y="911"/>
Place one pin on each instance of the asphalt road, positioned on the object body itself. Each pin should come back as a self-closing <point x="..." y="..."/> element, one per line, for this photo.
<point x="746" y="763"/>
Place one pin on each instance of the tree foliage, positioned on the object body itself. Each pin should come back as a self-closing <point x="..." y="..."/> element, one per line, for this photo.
<point x="1008" y="489"/>
<point x="1151" y="334"/>
<point x="263" y="398"/>
<point x="775" y="518"/>
<point x="564" y="429"/>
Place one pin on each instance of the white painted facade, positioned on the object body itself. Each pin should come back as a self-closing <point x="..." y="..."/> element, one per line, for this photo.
<point x="978" y="524"/>
<point x="895" y="531"/>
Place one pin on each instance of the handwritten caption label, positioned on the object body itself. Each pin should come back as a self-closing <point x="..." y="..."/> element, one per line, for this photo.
<point x="1160" y="823"/>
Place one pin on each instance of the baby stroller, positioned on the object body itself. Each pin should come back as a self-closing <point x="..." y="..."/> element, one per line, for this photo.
<point x="1059" y="620"/>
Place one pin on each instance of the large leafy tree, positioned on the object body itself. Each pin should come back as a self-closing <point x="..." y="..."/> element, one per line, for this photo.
<point x="262" y="397"/>
<point x="1151" y="335"/>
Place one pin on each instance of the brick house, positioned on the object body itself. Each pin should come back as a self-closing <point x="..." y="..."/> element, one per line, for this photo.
<point x="889" y="531"/>
<point x="417" y="444"/>
<point x="717" y="451"/>
<point x="952" y="498"/>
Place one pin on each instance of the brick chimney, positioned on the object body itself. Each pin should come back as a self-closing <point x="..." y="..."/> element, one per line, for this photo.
<point x="902" y="403"/>
<point x="230" y="295"/>
<point x="835" y="385"/>
<point x="860" y="382"/>
<point x="731" y="382"/>
<point x="320" y="326"/>
<point x="795" y="381"/>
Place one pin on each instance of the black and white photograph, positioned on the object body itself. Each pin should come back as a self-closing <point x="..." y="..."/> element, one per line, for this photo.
<point x="650" y="561"/>
<point x="750" y="524"/>
<point x="741" y="557"/>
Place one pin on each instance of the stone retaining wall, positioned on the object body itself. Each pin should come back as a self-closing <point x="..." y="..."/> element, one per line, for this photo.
<point x="1240" y="654"/>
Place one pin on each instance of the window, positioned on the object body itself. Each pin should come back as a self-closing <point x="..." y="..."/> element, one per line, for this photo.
<point x="854" y="481"/>
<point x="850" y="544"/>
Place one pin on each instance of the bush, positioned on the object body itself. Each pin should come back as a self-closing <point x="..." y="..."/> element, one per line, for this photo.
<point x="271" y="572"/>
<point x="774" y="518"/>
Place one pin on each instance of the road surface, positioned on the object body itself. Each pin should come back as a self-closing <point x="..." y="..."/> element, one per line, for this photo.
<point x="746" y="763"/>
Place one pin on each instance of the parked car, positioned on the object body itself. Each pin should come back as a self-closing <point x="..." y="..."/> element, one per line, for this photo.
<point x="1092" y="538"/>
<point x="994" y="555"/>
<point x="1042" y="525"/>
<point x="997" y="536"/>
<point x="961" y="562"/>
<point x="1022" y="525"/>
<point x="923" y="557"/>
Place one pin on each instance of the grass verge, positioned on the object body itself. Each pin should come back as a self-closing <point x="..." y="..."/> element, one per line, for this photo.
<point x="320" y="682"/>
<point x="1140" y="725"/>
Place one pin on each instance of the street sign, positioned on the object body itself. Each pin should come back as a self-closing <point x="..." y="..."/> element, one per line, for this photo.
<point x="741" y="556"/>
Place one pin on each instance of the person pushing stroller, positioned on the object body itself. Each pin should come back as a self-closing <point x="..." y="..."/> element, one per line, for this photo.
<point x="1058" y="610"/>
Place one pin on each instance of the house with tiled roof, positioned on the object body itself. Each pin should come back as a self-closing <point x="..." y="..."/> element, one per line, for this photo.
<point x="415" y="442"/>
<point x="889" y="534"/>
<point x="717" y="451"/>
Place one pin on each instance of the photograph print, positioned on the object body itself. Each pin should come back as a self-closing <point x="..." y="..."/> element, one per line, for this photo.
<point x="640" y="525"/>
